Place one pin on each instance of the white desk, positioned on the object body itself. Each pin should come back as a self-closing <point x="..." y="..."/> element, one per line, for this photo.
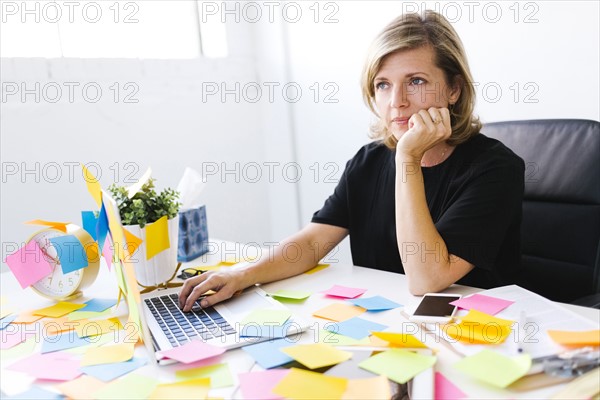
<point x="390" y="285"/>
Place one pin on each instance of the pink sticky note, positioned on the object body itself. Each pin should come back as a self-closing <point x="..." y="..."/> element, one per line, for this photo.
<point x="107" y="252"/>
<point x="444" y="389"/>
<point x="193" y="351"/>
<point x="259" y="384"/>
<point x="29" y="264"/>
<point x="52" y="366"/>
<point x="345" y="292"/>
<point x="11" y="339"/>
<point x="480" y="302"/>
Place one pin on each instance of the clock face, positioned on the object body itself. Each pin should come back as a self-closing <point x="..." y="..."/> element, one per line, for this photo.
<point x="57" y="284"/>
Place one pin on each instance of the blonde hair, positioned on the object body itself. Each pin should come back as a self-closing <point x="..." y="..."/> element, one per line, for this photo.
<point x="411" y="31"/>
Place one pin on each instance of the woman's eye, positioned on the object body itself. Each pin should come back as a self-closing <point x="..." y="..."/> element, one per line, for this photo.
<point x="381" y="85"/>
<point x="417" y="81"/>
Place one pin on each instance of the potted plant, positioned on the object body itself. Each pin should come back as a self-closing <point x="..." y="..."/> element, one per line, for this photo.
<point x="140" y="211"/>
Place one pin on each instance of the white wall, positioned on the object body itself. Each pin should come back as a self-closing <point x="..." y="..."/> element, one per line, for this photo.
<point x="171" y="127"/>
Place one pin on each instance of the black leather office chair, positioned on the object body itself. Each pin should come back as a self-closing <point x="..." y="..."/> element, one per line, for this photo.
<point x="561" y="206"/>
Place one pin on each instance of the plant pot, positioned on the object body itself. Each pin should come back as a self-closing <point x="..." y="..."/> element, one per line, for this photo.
<point x="161" y="267"/>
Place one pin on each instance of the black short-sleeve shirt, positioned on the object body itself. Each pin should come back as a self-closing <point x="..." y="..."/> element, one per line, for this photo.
<point x="474" y="197"/>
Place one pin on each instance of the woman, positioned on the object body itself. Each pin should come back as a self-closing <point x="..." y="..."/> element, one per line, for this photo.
<point x="431" y="197"/>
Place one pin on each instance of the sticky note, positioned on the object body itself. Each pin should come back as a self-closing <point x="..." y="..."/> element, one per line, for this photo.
<point x="157" y="237"/>
<point x="101" y="227"/>
<point x="267" y="316"/>
<point x="219" y="374"/>
<point x="397" y="364"/>
<point x="4" y="322"/>
<point x="446" y="390"/>
<point x="268" y="355"/>
<point x="81" y="387"/>
<point x="62" y="341"/>
<point x="87" y="328"/>
<point x="190" y="389"/>
<point x="137" y="186"/>
<point x="291" y="294"/>
<point x="98" y="305"/>
<point x="316" y="355"/>
<point x="93" y="186"/>
<point x="400" y="339"/>
<point x="494" y="368"/>
<point x="344" y="291"/>
<point x="357" y="328"/>
<point x="107" y="253"/>
<point x="192" y="351"/>
<point x="375" y="303"/>
<point x="132" y="386"/>
<point x="28" y="264"/>
<point x="27" y="317"/>
<point x="318" y="268"/>
<point x="339" y="312"/>
<point x="334" y="339"/>
<point x="12" y="338"/>
<point x="59" y="325"/>
<point x="71" y="253"/>
<point x="92" y="341"/>
<point x="259" y="384"/>
<point x="61" y="226"/>
<point x="481" y="328"/>
<point x="487" y="304"/>
<point x="79" y="315"/>
<point x="108" y="354"/>
<point x="576" y="338"/>
<point x="38" y="393"/>
<point x="374" y="388"/>
<point x="300" y="384"/>
<point x="89" y="222"/>
<point x="54" y="366"/>
<point x="16" y="345"/>
<point x="132" y="242"/>
<point x="109" y="372"/>
<point x="60" y="309"/>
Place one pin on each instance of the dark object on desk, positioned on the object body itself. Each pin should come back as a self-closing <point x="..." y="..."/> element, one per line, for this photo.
<point x="189" y="273"/>
<point x="561" y="205"/>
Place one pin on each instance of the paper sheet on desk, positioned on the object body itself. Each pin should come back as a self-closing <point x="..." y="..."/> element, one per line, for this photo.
<point x="542" y="315"/>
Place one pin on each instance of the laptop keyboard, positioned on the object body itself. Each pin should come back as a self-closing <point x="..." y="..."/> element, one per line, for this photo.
<point x="180" y="327"/>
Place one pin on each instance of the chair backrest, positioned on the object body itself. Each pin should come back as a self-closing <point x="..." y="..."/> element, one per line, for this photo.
<point x="561" y="206"/>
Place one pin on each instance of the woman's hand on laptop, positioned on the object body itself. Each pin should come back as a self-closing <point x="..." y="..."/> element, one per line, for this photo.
<point x="224" y="283"/>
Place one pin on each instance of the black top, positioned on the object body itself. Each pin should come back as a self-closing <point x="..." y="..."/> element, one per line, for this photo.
<point x="474" y="198"/>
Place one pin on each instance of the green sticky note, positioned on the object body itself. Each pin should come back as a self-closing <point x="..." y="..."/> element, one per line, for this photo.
<point x="132" y="386"/>
<point x="19" y="351"/>
<point x="219" y="374"/>
<point x="267" y="317"/>
<point x="495" y="368"/>
<point x="397" y="364"/>
<point x="291" y="294"/>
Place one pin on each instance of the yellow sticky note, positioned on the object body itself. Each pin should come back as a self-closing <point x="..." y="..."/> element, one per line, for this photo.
<point x="108" y="354"/>
<point x="377" y="388"/>
<point x="59" y="325"/>
<point x="339" y="312"/>
<point x="219" y="374"/>
<point x="300" y="384"/>
<point x="87" y="328"/>
<point x="191" y="389"/>
<point x="479" y="328"/>
<point x="399" y="339"/>
<point x="576" y="338"/>
<point x="61" y="226"/>
<point x="93" y="185"/>
<point x="58" y="310"/>
<point x="81" y="387"/>
<point x="318" y="268"/>
<point x="316" y="355"/>
<point x="157" y="237"/>
<point x="131" y="386"/>
<point x="494" y="368"/>
<point x="397" y="364"/>
<point x="132" y="242"/>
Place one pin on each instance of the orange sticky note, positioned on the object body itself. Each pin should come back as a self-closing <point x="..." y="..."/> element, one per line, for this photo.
<point x="58" y="310"/>
<point x="27" y="317"/>
<point x="157" y="237"/>
<point x="108" y="354"/>
<point x="93" y="185"/>
<point x="576" y="338"/>
<point x="61" y="226"/>
<point x="300" y="384"/>
<point x="400" y="339"/>
<point x="339" y="312"/>
<point x="369" y="388"/>
<point x="59" y="325"/>
<point x="132" y="242"/>
<point x="81" y="387"/>
<point x="190" y="389"/>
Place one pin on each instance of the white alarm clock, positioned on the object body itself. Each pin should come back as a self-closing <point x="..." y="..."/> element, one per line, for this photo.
<point x="60" y="286"/>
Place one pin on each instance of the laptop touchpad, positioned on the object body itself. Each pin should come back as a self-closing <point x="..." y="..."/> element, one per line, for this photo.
<point x="246" y="303"/>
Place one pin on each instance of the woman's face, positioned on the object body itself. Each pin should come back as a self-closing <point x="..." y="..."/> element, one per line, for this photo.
<point x="407" y="82"/>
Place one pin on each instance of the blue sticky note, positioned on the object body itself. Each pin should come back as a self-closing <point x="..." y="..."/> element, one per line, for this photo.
<point x="356" y="328"/>
<point x="4" y="322"/>
<point x="268" y="355"/>
<point x="375" y="303"/>
<point x="71" y="253"/>
<point x="108" y="372"/>
<point x="102" y="227"/>
<point x="270" y="331"/>
<point x="98" y="305"/>
<point x="36" y="392"/>
<point x="64" y="341"/>
<point x="89" y="221"/>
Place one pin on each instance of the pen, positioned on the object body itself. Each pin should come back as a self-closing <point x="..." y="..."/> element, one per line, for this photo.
<point x="521" y="332"/>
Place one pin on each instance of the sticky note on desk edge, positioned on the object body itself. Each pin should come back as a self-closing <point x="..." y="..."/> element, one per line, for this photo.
<point x="494" y="368"/>
<point x="576" y="338"/>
